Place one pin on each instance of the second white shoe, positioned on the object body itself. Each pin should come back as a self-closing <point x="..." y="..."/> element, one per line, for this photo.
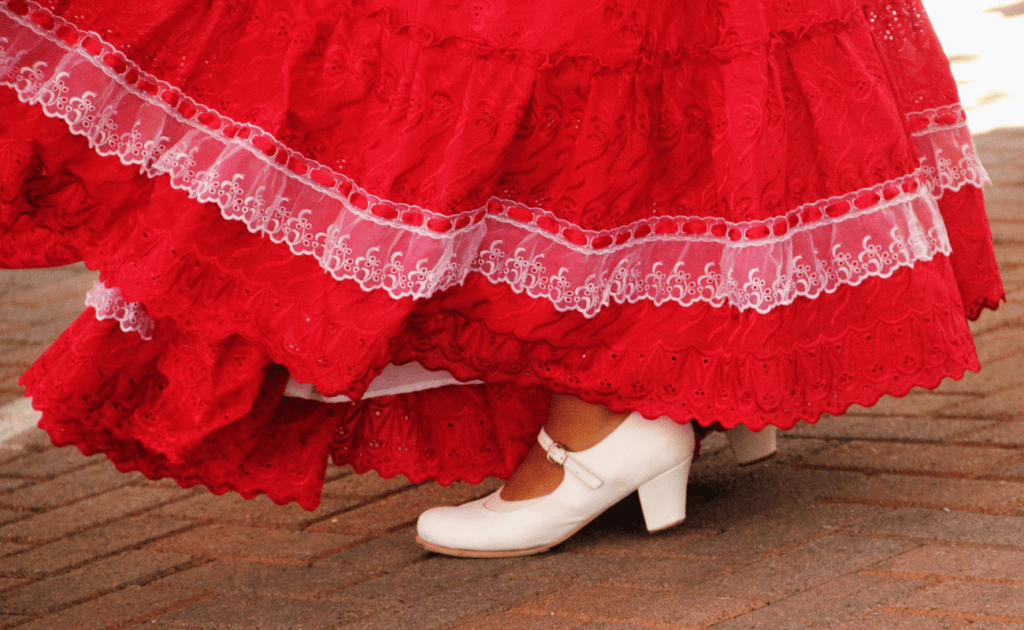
<point x="650" y="456"/>
<point x="751" y="447"/>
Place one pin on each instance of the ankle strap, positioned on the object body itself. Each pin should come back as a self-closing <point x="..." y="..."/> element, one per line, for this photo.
<point x="558" y="455"/>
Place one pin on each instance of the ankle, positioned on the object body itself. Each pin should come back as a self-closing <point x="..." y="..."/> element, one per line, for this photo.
<point x="534" y="477"/>
<point x="573" y="423"/>
<point x="578" y="425"/>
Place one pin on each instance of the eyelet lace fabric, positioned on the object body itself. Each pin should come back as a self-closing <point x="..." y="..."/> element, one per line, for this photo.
<point x="813" y="248"/>
<point x="736" y="214"/>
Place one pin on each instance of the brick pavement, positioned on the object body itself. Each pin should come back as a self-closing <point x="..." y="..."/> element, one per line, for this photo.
<point x="908" y="515"/>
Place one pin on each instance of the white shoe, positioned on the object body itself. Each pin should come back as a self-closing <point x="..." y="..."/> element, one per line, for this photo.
<point x="650" y="456"/>
<point x="751" y="447"/>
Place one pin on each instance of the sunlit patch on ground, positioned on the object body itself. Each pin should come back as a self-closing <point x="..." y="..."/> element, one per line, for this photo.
<point x="983" y="39"/>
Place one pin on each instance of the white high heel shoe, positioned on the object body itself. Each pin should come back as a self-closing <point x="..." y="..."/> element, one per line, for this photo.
<point x="650" y="456"/>
<point x="751" y="447"/>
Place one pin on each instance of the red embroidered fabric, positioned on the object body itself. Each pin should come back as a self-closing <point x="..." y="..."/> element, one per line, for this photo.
<point x="406" y="118"/>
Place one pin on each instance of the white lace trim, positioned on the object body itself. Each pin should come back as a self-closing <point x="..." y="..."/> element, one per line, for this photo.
<point x="949" y="160"/>
<point x="110" y="305"/>
<point x="411" y="251"/>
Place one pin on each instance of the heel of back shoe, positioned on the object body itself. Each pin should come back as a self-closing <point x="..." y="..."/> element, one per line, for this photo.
<point x="751" y="447"/>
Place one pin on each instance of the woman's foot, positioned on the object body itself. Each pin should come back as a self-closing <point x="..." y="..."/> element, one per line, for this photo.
<point x="573" y="423"/>
<point x="547" y="506"/>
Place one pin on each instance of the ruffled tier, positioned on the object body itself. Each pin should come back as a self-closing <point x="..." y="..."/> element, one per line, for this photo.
<point x="755" y="144"/>
<point x="210" y="412"/>
<point x="203" y="408"/>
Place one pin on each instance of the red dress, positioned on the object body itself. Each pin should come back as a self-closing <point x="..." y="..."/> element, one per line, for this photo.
<point x="736" y="212"/>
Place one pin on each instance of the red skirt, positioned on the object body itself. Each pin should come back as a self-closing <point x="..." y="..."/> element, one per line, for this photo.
<point x="731" y="215"/>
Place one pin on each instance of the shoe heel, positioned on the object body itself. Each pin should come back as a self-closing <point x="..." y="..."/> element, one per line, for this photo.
<point x="751" y="447"/>
<point x="663" y="499"/>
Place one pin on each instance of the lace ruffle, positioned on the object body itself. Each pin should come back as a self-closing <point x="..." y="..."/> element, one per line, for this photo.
<point x="949" y="160"/>
<point x="109" y="304"/>
<point x="412" y="251"/>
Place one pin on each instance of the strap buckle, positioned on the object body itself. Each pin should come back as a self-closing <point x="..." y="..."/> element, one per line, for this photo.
<point x="559" y="456"/>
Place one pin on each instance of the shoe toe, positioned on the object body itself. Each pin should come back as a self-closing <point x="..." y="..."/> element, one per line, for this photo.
<point x="449" y="526"/>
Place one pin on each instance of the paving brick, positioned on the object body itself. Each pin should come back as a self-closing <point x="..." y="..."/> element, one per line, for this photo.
<point x="894" y="621"/>
<point x="829" y="605"/>
<point x="8" y="547"/>
<point x="64" y="489"/>
<point x="10" y="374"/>
<point x="8" y="484"/>
<point x="640" y="571"/>
<point x="359" y="488"/>
<point x="1004" y="173"/>
<point x="403" y="508"/>
<point x="251" y="611"/>
<point x="29" y="441"/>
<point x="943" y="563"/>
<point x="624" y="605"/>
<point x="11" y="452"/>
<point x="451" y="606"/>
<point x="379" y="556"/>
<point x="28" y="286"/>
<point x="660" y="562"/>
<point x="88" y="545"/>
<point x="1009" y="314"/>
<point x="78" y="516"/>
<point x="415" y="582"/>
<point x="808" y="565"/>
<point x="253" y="544"/>
<point x="21" y="355"/>
<point x="133" y="604"/>
<point x="254" y="579"/>
<point x="512" y="621"/>
<point x="7" y="583"/>
<point x="1008" y="255"/>
<point x="1006" y="404"/>
<point x="731" y="496"/>
<point x="969" y="597"/>
<point x="10" y="392"/>
<point x="939" y="525"/>
<point x="994" y="625"/>
<point x="345" y="492"/>
<point x="997" y="344"/>
<point x="10" y="621"/>
<point x="1000" y="433"/>
<point x="89" y="581"/>
<point x="600" y="625"/>
<point x="917" y="403"/>
<point x="48" y="464"/>
<point x="928" y="492"/>
<point x="1007" y="232"/>
<point x="886" y="428"/>
<point x="8" y="516"/>
<point x="872" y="457"/>
<point x="43" y="329"/>
<point x="260" y="511"/>
<point x="1011" y="472"/>
<point x="170" y="484"/>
